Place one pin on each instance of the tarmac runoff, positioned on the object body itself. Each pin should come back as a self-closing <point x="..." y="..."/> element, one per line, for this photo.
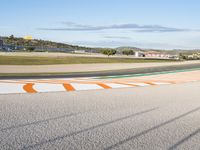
<point x="98" y="83"/>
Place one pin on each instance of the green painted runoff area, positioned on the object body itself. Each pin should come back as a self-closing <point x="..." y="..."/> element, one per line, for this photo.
<point x="147" y="74"/>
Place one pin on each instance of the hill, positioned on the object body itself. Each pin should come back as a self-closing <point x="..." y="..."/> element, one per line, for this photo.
<point x="44" y="45"/>
<point x="39" y="44"/>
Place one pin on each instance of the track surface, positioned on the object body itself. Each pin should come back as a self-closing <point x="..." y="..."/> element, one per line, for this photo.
<point x="132" y="113"/>
<point x="152" y="118"/>
<point x="110" y="73"/>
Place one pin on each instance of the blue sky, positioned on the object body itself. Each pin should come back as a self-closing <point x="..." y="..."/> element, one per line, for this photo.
<point x="162" y="24"/>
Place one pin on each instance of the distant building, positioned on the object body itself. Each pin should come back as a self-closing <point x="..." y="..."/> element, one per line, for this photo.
<point x="139" y="54"/>
<point x="156" y="55"/>
<point x="9" y="48"/>
<point x="28" y="37"/>
<point x="160" y="55"/>
<point x="80" y="51"/>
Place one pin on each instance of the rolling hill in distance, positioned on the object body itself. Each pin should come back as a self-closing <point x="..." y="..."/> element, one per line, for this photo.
<point x="45" y="45"/>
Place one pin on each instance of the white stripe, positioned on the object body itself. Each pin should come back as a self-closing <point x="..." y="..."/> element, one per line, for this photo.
<point x="161" y="83"/>
<point x="9" y="88"/>
<point x="126" y="75"/>
<point x="139" y="84"/>
<point x="79" y="86"/>
<point x="45" y="87"/>
<point x="115" y="85"/>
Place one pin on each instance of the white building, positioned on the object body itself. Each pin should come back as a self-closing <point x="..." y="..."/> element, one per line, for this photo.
<point x="139" y="54"/>
<point x="80" y="51"/>
<point x="160" y="55"/>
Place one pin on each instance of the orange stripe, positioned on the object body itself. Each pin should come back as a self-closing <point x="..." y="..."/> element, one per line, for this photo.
<point x="126" y="84"/>
<point x="68" y="87"/>
<point x="150" y="83"/>
<point x="29" y="88"/>
<point x="104" y="85"/>
<point x="172" y="82"/>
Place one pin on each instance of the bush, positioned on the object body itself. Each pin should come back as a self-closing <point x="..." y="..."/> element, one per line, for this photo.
<point x="109" y="52"/>
<point x="30" y="49"/>
<point x="128" y="52"/>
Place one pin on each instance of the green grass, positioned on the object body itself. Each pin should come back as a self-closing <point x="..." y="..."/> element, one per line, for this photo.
<point x="27" y="60"/>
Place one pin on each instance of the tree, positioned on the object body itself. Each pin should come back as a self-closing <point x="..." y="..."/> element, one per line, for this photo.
<point x="183" y="56"/>
<point x="128" y="52"/>
<point x="109" y="52"/>
<point x="12" y="37"/>
<point x="30" y="49"/>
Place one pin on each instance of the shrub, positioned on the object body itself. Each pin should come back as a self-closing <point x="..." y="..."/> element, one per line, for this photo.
<point x="109" y="52"/>
<point x="128" y="52"/>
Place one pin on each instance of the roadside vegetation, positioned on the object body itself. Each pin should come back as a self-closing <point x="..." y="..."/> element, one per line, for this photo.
<point x="30" y="49"/>
<point x="128" y="52"/>
<point x="109" y="52"/>
<point x="35" y="60"/>
<point x="190" y="56"/>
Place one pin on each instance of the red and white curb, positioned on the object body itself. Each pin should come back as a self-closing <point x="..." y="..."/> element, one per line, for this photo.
<point x="9" y="87"/>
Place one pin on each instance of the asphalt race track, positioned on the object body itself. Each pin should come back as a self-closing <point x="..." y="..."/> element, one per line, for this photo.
<point x="147" y="112"/>
<point x="154" y="117"/>
<point x="112" y="72"/>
